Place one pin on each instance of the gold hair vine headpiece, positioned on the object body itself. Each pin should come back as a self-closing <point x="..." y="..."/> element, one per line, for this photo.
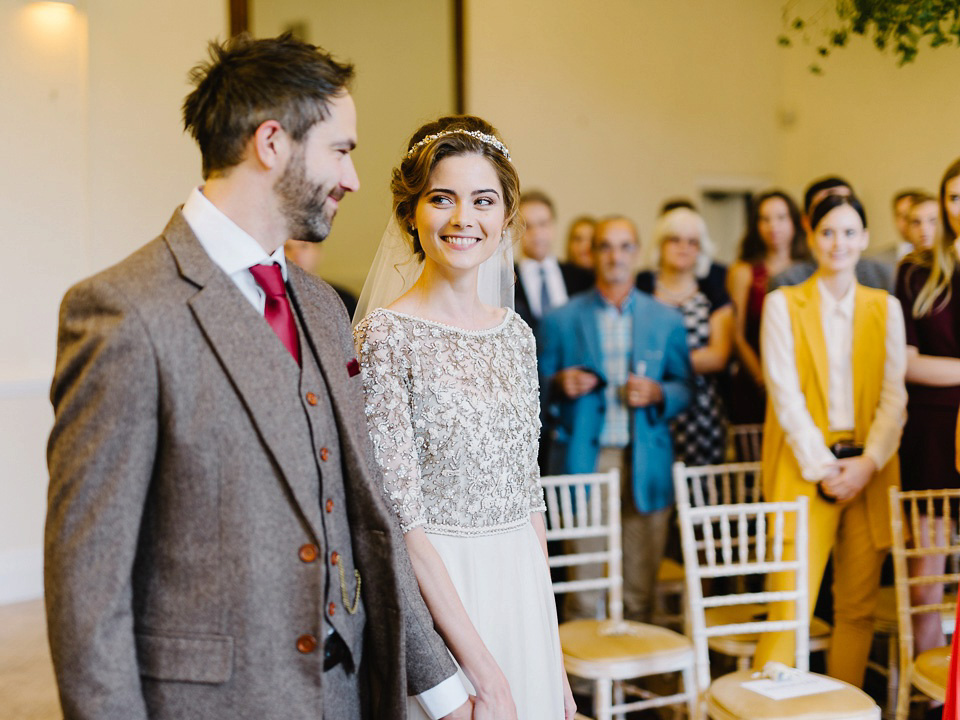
<point x="483" y="137"/>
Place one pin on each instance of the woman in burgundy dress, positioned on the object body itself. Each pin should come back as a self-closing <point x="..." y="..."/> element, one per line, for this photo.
<point x="928" y="287"/>
<point x="774" y="240"/>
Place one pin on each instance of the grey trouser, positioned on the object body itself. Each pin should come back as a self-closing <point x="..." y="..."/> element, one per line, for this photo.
<point x="644" y="538"/>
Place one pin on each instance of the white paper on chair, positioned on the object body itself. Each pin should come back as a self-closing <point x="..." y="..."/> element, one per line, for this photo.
<point x="805" y="684"/>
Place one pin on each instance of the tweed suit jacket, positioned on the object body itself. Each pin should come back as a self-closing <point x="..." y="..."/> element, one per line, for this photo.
<point x="178" y="503"/>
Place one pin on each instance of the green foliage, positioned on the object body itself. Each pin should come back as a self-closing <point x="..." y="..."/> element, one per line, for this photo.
<point x="902" y="26"/>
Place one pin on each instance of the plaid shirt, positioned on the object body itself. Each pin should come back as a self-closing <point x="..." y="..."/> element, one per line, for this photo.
<point x="616" y="341"/>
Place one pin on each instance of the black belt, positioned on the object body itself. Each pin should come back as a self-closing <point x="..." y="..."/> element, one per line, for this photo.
<point x="335" y="651"/>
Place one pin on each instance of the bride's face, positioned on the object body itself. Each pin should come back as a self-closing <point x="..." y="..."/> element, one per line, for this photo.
<point x="461" y="214"/>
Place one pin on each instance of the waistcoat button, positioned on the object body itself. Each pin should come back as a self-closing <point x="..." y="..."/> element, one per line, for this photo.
<point x="329" y="506"/>
<point x="324" y="454"/>
<point x="334" y="557"/>
<point x="331" y="609"/>
<point x="306" y="644"/>
<point x="308" y="553"/>
<point x="311" y="398"/>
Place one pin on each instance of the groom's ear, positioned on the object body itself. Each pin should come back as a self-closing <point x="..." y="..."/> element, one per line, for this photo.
<point x="270" y="145"/>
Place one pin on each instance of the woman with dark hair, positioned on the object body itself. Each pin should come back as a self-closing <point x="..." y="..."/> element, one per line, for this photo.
<point x="834" y="358"/>
<point x="774" y="240"/>
<point x="452" y="400"/>
<point x="928" y="287"/>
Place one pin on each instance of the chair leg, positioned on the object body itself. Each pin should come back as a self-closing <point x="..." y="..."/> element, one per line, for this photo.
<point x="618" y="699"/>
<point x="893" y="674"/>
<point x="744" y="662"/>
<point x="903" y="696"/>
<point x="691" y="691"/>
<point x="603" y="700"/>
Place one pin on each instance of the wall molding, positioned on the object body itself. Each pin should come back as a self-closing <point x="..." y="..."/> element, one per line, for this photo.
<point x="21" y="575"/>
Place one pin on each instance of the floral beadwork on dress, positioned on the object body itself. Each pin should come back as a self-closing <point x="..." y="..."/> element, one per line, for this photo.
<point x="454" y="416"/>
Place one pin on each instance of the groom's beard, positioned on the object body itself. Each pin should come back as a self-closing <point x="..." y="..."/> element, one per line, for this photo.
<point x="304" y="203"/>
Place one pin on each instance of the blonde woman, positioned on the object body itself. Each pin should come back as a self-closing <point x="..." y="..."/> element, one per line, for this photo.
<point x="928" y="287"/>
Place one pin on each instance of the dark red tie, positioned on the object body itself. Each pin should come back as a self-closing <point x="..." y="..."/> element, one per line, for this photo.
<point x="277" y="308"/>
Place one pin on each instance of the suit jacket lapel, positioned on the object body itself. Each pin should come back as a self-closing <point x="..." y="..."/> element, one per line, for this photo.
<point x="321" y="333"/>
<point x="252" y="356"/>
<point x="590" y="337"/>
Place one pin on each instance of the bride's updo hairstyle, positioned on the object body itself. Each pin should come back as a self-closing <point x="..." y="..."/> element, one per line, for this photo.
<point x="447" y="137"/>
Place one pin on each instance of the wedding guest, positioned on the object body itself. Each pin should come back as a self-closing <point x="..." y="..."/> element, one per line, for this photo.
<point x="923" y="222"/>
<point x="615" y="369"/>
<point x="680" y="244"/>
<point x="834" y="358"/>
<point x="870" y="272"/>
<point x="542" y="282"/>
<point x="928" y="287"/>
<point x="580" y="242"/>
<point x="902" y="202"/>
<point x="775" y="239"/>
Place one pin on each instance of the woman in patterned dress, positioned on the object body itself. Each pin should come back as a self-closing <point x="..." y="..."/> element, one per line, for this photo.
<point x="452" y="401"/>
<point x="680" y="243"/>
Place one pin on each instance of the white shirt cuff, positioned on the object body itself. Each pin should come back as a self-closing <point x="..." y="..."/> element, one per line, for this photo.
<point x="444" y="698"/>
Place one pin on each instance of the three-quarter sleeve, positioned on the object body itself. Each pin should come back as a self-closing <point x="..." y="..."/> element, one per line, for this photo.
<point x="385" y="370"/>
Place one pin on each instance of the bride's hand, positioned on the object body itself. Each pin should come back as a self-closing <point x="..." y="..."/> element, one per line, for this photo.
<point x="569" y="706"/>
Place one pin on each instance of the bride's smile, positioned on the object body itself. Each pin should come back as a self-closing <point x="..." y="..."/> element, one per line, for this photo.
<point x="460" y="217"/>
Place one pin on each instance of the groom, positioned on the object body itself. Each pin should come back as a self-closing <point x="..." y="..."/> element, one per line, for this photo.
<point x="216" y="542"/>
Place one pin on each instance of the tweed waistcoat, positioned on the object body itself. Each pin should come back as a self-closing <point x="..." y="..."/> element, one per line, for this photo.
<point x="316" y="429"/>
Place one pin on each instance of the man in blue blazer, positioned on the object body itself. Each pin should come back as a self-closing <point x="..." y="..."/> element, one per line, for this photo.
<point x="614" y="369"/>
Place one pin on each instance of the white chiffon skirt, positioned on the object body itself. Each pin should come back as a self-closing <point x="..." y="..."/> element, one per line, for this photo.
<point x="504" y="585"/>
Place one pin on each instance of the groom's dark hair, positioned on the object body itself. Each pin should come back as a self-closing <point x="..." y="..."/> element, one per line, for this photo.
<point x="247" y="82"/>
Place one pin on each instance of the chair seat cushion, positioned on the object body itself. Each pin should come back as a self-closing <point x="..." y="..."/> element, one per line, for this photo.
<point x="885" y="618"/>
<point x="745" y="643"/>
<point x="930" y="670"/>
<point x="604" y="640"/>
<point x="670" y="571"/>
<point x="727" y="699"/>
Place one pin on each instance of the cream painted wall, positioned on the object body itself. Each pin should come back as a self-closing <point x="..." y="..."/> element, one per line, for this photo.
<point x="881" y="127"/>
<point x="610" y="108"/>
<point x="95" y="162"/>
<point x="403" y="54"/>
<point x="613" y="108"/>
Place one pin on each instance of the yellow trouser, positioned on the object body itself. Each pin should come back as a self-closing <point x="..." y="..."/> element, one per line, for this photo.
<point x="856" y="584"/>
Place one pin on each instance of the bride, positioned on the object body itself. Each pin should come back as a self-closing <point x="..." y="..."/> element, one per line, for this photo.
<point x="450" y="381"/>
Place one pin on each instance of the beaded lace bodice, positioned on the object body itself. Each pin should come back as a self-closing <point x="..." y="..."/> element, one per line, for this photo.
<point x="454" y="416"/>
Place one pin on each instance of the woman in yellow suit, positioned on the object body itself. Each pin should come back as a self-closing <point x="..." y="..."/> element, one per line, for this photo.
<point x="834" y="358"/>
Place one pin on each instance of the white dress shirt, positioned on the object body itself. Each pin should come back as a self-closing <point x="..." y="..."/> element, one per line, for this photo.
<point x="232" y="249"/>
<point x="531" y="275"/>
<point x="783" y="384"/>
<point x="235" y="251"/>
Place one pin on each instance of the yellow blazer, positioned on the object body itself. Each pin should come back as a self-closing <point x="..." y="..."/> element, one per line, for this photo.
<point x="782" y="479"/>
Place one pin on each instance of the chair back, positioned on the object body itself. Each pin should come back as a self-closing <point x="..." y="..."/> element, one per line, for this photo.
<point x="911" y="515"/>
<point x="587" y="506"/>
<point x="726" y="484"/>
<point x="747" y="441"/>
<point x="729" y="541"/>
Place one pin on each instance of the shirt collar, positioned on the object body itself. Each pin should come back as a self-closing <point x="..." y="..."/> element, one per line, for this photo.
<point x="230" y="247"/>
<point x="627" y="306"/>
<point x="830" y="305"/>
<point x="546" y="262"/>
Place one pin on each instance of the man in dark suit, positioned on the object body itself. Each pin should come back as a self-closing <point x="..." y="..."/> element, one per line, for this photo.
<point x="543" y="283"/>
<point x="217" y="544"/>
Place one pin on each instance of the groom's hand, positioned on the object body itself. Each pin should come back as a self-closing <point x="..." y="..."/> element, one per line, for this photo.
<point x="464" y="712"/>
